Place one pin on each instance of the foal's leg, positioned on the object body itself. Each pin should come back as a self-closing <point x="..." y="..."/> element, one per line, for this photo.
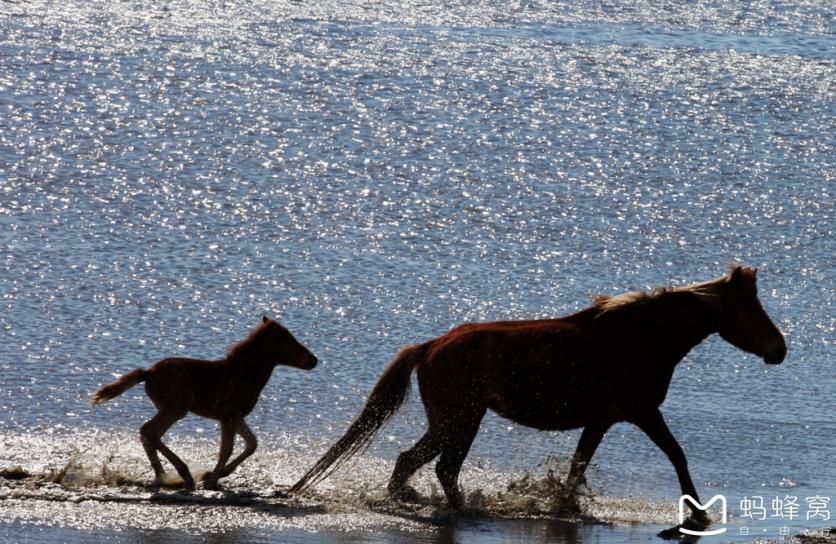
<point x="250" y="445"/>
<point x="210" y="481"/>
<point x="590" y="438"/>
<point x="653" y="424"/>
<point x="151" y="433"/>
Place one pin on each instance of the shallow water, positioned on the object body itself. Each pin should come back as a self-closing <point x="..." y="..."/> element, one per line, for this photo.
<point x="374" y="174"/>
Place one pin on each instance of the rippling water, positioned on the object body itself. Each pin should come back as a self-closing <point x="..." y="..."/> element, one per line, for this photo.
<point x="374" y="174"/>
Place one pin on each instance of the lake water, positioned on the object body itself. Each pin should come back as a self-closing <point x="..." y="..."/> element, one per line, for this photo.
<point x="372" y="175"/>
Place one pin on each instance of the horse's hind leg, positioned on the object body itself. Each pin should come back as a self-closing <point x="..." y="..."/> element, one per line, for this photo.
<point x="590" y="438"/>
<point x="424" y="451"/>
<point x="151" y="433"/>
<point x="228" y="431"/>
<point x="457" y="439"/>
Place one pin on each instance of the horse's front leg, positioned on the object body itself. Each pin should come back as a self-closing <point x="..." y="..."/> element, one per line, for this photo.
<point x="210" y="479"/>
<point x="653" y="424"/>
<point x="250" y="444"/>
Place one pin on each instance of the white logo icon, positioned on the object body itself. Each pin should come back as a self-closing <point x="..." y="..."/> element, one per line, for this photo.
<point x="704" y="507"/>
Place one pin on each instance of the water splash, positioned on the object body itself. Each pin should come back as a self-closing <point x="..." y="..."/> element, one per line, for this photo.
<point x="121" y="476"/>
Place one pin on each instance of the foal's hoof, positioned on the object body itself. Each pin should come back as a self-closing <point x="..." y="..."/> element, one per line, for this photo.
<point x="210" y="481"/>
<point x="171" y="482"/>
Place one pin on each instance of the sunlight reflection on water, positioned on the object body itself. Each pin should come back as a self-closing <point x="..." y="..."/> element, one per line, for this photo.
<point x="373" y="175"/>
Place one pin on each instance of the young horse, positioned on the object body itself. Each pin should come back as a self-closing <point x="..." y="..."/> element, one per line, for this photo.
<point x="608" y="363"/>
<point x="226" y="390"/>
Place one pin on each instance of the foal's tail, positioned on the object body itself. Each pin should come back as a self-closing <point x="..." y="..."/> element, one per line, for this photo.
<point x="384" y="400"/>
<point x="107" y="392"/>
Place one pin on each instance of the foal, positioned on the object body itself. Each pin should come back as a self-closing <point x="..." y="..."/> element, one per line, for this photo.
<point x="226" y="390"/>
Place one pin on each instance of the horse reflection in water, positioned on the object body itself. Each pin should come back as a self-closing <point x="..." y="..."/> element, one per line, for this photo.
<point x="226" y="390"/>
<point x="609" y="363"/>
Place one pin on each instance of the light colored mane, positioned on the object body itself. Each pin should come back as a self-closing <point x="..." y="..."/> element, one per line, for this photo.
<point x="706" y="291"/>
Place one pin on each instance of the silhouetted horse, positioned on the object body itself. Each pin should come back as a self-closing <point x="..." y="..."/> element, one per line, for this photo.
<point x="608" y="363"/>
<point x="226" y="390"/>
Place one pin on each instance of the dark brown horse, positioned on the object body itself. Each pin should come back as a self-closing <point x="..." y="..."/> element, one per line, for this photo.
<point x="608" y="363"/>
<point x="226" y="390"/>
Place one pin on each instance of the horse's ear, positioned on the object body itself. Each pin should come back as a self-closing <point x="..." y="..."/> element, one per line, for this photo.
<point x="265" y="319"/>
<point x="736" y="274"/>
<point x="743" y="275"/>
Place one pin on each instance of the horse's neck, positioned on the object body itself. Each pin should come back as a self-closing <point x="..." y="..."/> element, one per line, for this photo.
<point x="253" y="363"/>
<point x="677" y="322"/>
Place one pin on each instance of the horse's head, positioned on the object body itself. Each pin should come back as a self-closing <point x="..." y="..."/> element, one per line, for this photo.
<point x="288" y="350"/>
<point x="743" y="321"/>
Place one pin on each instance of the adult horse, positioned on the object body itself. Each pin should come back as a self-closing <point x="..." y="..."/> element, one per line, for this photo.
<point x="608" y="363"/>
<point x="226" y="390"/>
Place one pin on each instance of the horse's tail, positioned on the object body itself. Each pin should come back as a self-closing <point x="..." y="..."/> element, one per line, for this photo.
<point x="111" y="390"/>
<point x="385" y="399"/>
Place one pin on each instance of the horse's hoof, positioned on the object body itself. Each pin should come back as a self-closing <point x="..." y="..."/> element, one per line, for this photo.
<point x="405" y="494"/>
<point x="568" y="506"/>
<point x="670" y="533"/>
<point x="692" y="523"/>
<point x="455" y="501"/>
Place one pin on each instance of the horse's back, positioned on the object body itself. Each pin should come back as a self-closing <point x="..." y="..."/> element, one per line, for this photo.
<point x="539" y="373"/>
<point x="553" y="373"/>
<point x="179" y="383"/>
<point x="183" y="368"/>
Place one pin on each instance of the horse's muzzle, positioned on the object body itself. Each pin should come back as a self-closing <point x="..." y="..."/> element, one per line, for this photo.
<point x="775" y="355"/>
<point x="310" y="362"/>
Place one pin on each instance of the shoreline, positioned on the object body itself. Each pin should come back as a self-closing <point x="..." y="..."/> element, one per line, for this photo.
<point x="38" y="508"/>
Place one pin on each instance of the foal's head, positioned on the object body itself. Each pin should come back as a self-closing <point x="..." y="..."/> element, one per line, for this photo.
<point x="742" y="320"/>
<point x="286" y="349"/>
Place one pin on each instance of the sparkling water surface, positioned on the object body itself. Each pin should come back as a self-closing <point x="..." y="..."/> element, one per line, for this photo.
<point x="372" y="175"/>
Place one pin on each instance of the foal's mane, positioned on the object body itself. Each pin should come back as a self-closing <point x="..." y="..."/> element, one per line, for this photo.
<point x="242" y="346"/>
<point x="706" y="291"/>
